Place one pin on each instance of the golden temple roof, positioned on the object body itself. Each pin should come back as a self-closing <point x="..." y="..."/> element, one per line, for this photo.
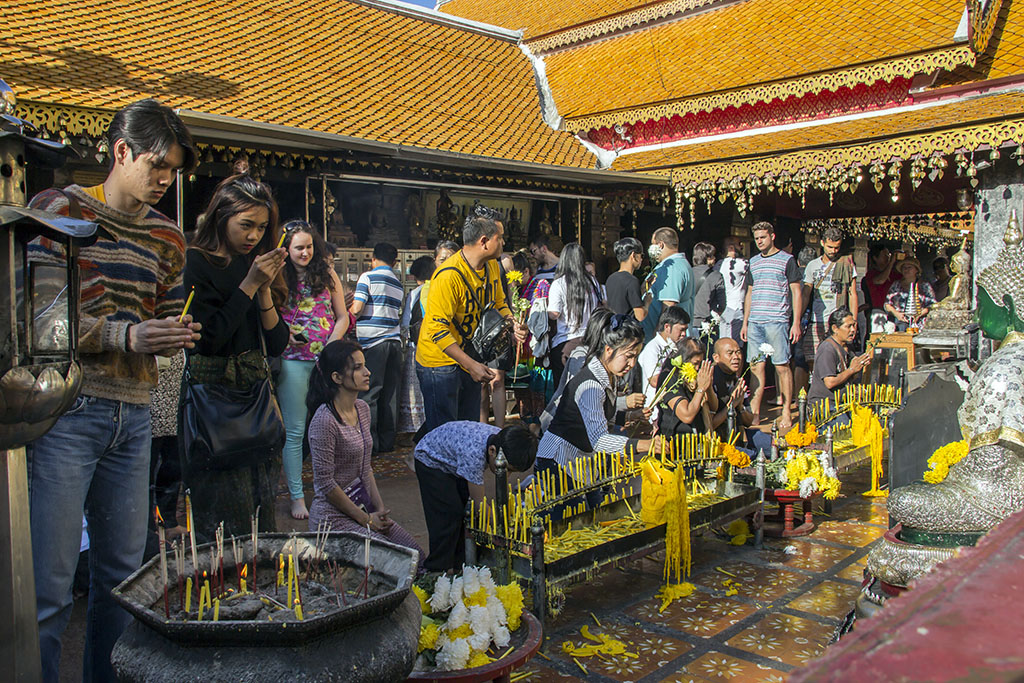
<point x="332" y="66"/>
<point x="538" y="17"/>
<point x="751" y="51"/>
<point x="1004" y="55"/>
<point x="943" y="128"/>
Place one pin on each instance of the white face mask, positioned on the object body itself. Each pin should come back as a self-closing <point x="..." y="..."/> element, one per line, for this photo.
<point x="654" y="251"/>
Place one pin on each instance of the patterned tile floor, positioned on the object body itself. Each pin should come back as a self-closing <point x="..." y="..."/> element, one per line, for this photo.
<point x="791" y="595"/>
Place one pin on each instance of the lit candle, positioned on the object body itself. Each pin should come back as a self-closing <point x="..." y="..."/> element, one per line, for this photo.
<point x="191" y="529"/>
<point x="298" y="610"/>
<point x="241" y="578"/>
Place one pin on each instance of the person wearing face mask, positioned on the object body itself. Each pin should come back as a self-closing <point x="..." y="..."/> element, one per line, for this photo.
<point x="580" y="424"/>
<point x="232" y="266"/>
<point x="316" y="315"/>
<point x="671" y="282"/>
<point x="345" y="491"/>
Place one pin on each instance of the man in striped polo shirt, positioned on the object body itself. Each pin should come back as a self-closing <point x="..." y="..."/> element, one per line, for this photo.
<point x="768" y="315"/>
<point x="377" y="306"/>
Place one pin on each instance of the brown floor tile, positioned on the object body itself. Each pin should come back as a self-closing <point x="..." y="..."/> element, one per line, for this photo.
<point x="847" y="533"/>
<point x="606" y="590"/>
<point x="653" y="652"/>
<point x="870" y="511"/>
<point x="784" y="638"/>
<point x="829" y="599"/>
<point x="539" y="673"/>
<point x="810" y="556"/>
<point x="763" y="584"/>
<point x="855" y="572"/>
<point x="716" y="666"/>
<point x="698" y="614"/>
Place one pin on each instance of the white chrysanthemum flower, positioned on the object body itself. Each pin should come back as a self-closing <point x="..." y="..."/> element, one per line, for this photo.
<point x="783" y="477"/>
<point x="498" y="615"/>
<point x="470" y="580"/>
<point x="717" y="317"/>
<point x="790" y="454"/>
<point x="454" y="655"/>
<point x="766" y="350"/>
<point x="486" y="580"/>
<point x="458" y="616"/>
<point x="456" y="593"/>
<point x="439" y="601"/>
<point x="705" y="327"/>
<point x="825" y="461"/>
<point x="501" y="637"/>
<point x="480" y="622"/>
<point x="889" y="327"/>
<point x="807" y="487"/>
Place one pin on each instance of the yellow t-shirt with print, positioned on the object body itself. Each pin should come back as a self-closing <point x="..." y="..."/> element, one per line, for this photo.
<point x="452" y="313"/>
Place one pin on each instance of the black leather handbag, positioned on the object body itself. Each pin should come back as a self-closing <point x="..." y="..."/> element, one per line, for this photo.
<point x="223" y="428"/>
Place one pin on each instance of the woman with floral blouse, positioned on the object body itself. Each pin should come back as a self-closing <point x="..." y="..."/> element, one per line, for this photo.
<point x="315" y="313"/>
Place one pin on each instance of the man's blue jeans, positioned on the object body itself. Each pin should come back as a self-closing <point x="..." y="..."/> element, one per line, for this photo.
<point x="96" y="459"/>
<point x="449" y="394"/>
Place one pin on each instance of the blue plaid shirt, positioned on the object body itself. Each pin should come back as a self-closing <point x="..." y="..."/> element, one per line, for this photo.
<point x="458" y="448"/>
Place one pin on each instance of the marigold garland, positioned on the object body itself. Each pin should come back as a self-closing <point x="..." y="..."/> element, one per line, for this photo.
<point x="733" y="455"/>
<point x="942" y="459"/>
<point x="797" y="439"/>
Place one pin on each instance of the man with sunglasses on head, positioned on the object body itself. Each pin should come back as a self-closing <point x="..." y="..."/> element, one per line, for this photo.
<point x="96" y="458"/>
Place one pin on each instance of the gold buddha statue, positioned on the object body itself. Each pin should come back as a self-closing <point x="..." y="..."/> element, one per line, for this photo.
<point x="953" y="312"/>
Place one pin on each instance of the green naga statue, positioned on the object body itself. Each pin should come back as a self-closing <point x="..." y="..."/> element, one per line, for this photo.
<point x="987" y="485"/>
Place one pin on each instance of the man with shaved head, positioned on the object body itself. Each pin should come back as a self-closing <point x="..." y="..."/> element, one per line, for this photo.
<point x="732" y="390"/>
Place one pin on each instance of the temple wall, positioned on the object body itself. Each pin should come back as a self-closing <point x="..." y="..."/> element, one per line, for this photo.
<point x="1001" y="190"/>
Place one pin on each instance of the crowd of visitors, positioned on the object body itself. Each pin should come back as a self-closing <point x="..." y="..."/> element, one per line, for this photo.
<point x="268" y="327"/>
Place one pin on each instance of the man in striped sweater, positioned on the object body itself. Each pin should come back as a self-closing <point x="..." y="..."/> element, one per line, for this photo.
<point x="96" y="458"/>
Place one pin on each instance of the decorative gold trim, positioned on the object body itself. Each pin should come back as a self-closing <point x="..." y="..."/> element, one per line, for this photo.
<point x="995" y="436"/>
<point x="619" y="22"/>
<point x="869" y="74"/>
<point x="792" y="165"/>
<point x="984" y="17"/>
<point x="54" y="118"/>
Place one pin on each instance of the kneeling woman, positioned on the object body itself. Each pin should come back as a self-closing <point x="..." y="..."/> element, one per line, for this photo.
<point x="689" y="403"/>
<point x="345" y="494"/>
<point x="580" y="425"/>
<point x="833" y="368"/>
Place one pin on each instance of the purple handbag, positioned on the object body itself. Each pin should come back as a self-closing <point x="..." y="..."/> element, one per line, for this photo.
<point x="358" y="494"/>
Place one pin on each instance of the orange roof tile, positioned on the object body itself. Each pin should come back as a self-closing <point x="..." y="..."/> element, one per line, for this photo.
<point x="838" y="143"/>
<point x="749" y="43"/>
<point x="1004" y="55"/>
<point x="325" y="65"/>
<point x="537" y="17"/>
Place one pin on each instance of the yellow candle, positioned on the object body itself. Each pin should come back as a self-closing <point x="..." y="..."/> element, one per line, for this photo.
<point x="291" y="576"/>
<point x="188" y="302"/>
<point x="216" y="610"/>
<point x="280" y="570"/>
<point x="298" y="610"/>
<point x="242" y="586"/>
<point x="280" y="242"/>
<point x="188" y="594"/>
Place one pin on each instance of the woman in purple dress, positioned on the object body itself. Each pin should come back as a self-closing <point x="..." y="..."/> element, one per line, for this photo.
<point x="345" y="494"/>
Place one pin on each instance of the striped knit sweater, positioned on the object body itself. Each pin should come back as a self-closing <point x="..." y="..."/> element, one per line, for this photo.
<point x="136" y="278"/>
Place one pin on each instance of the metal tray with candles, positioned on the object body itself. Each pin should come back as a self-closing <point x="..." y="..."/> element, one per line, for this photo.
<point x="548" y="536"/>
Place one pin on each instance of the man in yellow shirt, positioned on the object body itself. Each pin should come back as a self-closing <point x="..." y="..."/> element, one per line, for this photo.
<point x="459" y="292"/>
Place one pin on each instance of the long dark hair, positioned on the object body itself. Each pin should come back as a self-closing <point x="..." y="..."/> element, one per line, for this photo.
<point x="318" y="272"/>
<point x="579" y="284"/>
<point x="336" y="357"/>
<point x="606" y="328"/>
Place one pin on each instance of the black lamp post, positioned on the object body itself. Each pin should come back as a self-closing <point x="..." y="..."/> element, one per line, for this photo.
<point x="39" y="372"/>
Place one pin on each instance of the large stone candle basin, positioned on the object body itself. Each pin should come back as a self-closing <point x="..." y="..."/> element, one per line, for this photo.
<point x="363" y="639"/>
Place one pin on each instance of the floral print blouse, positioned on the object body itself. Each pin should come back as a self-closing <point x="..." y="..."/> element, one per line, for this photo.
<point x="898" y="297"/>
<point x="311" y="315"/>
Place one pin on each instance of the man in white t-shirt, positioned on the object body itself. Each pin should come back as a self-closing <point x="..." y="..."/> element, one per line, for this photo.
<point x="829" y="281"/>
<point x="671" y="328"/>
<point x="734" y="271"/>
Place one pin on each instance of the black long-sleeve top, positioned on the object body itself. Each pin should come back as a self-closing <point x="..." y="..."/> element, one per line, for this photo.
<point x="229" y="317"/>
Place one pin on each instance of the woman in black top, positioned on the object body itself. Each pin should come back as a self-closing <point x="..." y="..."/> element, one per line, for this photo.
<point x="232" y="265"/>
<point x="687" y="408"/>
<point x="833" y="368"/>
